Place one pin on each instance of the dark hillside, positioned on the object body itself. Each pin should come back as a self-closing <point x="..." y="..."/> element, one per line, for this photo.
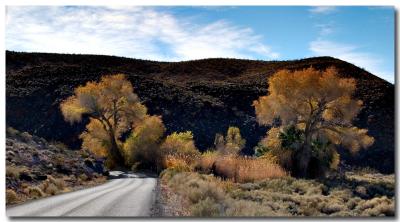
<point x="204" y="96"/>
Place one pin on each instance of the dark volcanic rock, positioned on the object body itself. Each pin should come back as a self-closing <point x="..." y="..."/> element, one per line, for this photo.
<point x="204" y="96"/>
<point x="25" y="176"/>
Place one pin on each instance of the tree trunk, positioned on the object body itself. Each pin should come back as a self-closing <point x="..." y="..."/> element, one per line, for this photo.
<point x="303" y="161"/>
<point x="115" y="153"/>
<point x="303" y="158"/>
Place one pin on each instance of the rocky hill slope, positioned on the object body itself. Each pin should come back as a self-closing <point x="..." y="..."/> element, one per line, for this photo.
<point x="204" y="96"/>
<point x="37" y="168"/>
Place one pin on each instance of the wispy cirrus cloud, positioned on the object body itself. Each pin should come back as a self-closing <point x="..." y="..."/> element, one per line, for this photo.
<point x="322" y="9"/>
<point x="324" y="45"/>
<point x="352" y="54"/>
<point x="139" y="32"/>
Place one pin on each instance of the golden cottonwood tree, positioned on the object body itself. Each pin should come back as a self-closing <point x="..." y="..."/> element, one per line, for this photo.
<point x="141" y="149"/>
<point x="112" y="108"/>
<point x="318" y="103"/>
<point x="179" y="148"/>
<point x="179" y="144"/>
<point x="233" y="143"/>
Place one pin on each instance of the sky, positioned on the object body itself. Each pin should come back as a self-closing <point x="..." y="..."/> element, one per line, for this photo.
<point x="363" y="36"/>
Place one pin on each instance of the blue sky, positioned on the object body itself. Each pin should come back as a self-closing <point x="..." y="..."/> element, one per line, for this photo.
<point x="363" y="36"/>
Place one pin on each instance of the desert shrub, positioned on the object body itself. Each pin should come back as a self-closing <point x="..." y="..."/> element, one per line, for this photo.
<point x="196" y="187"/>
<point x="83" y="177"/>
<point x="11" y="196"/>
<point x="282" y="184"/>
<point x="14" y="171"/>
<point x="249" y="186"/>
<point x="167" y="174"/>
<point x="59" y="182"/>
<point x="51" y="189"/>
<point x="206" y="208"/>
<point x="202" y="190"/>
<point x="333" y="208"/>
<point x="378" y="206"/>
<point x="341" y="194"/>
<point x="34" y="192"/>
<point x="52" y="186"/>
<point x="245" y="208"/>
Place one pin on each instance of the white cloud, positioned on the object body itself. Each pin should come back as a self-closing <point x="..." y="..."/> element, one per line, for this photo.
<point x="138" y="32"/>
<point x="352" y="54"/>
<point x="323" y="9"/>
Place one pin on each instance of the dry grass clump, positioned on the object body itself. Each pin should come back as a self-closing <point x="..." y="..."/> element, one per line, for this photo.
<point x="177" y="163"/>
<point x="206" y="161"/>
<point x="51" y="189"/>
<point x="59" y="182"/>
<point x="52" y="186"/>
<point x="11" y="196"/>
<point x="14" y="171"/>
<point x="246" y="169"/>
<point x="250" y="170"/>
<point x="34" y="192"/>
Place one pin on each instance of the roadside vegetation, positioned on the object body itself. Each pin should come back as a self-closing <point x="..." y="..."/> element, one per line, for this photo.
<point x="202" y="195"/>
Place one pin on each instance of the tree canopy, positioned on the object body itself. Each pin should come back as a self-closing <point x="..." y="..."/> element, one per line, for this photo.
<point x="320" y="104"/>
<point x="112" y="107"/>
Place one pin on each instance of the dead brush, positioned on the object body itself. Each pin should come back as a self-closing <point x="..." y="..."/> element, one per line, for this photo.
<point x="178" y="163"/>
<point x="247" y="169"/>
<point x="251" y="169"/>
<point x="206" y="161"/>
